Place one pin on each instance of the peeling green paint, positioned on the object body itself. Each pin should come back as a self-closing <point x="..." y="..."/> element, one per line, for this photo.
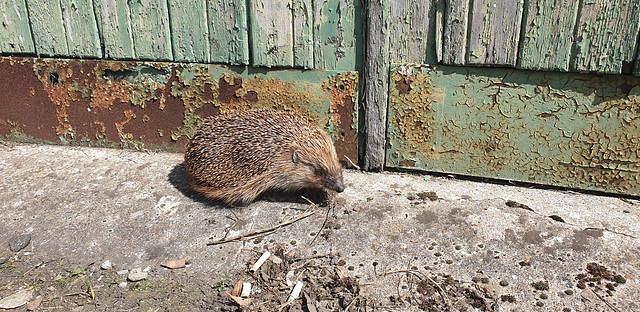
<point x="15" y="34"/>
<point x="571" y="130"/>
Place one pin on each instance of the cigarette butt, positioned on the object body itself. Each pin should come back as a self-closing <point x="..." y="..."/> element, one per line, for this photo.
<point x="246" y="290"/>
<point x="295" y="292"/>
<point x="260" y="261"/>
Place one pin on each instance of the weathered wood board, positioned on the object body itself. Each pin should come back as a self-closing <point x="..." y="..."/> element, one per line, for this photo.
<point x="302" y="33"/>
<point x="15" y="32"/>
<point x="114" y="25"/>
<point x="228" y="32"/>
<point x="376" y="77"/>
<point x="454" y="36"/>
<point x="189" y="31"/>
<point x="151" y="30"/>
<point x="49" y="36"/>
<point x="548" y="34"/>
<point x="564" y="129"/>
<point x="271" y="33"/>
<point x="494" y="32"/>
<point x="411" y="32"/>
<point x="81" y="29"/>
<point x="606" y="36"/>
<point x="337" y="32"/>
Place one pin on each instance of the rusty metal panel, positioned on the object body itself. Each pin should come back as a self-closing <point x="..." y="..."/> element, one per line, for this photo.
<point x="574" y="130"/>
<point x="157" y="106"/>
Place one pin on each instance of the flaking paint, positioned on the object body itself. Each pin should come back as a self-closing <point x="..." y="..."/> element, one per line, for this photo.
<point x="572" y="130"/>
<point x="150" y="105"/>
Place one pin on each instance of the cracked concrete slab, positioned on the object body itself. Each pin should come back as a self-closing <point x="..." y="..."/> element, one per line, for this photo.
<point x="524" y="248"/>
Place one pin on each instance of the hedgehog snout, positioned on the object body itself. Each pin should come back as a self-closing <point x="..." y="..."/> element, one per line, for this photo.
<point x="336" y="184"/>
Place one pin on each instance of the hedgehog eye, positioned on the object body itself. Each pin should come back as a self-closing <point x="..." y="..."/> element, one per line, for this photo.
<point x="319" y="171"/>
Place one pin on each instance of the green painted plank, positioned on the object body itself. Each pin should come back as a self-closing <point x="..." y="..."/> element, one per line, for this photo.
<point x="547" y="26"/>
<point x="49" y="36"/>
<point x="494" y="32"/>
<point x="411" y="32"/>
<point x="271" y="33"/>
<point x="564" y="129"/>
<point x="81" y="28"/>
<point x="606" y="36"/>
<point x="303" y="33"/>
<point x="337" y="31"/>
<point x="228" y="33"/>
<point x="454" y="37"/>
<point x="189" y="30"/>
<point x="114" y="24"/>
<point x="15" y="32"/>
<point x="151" y="35"/>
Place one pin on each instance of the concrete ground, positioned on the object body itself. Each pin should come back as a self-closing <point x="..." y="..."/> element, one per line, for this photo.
<point x="480" y="246"/>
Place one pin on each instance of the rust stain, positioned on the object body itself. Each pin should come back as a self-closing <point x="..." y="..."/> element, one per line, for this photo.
<point x="147" y="105"/>
<point x="344" y="90"/>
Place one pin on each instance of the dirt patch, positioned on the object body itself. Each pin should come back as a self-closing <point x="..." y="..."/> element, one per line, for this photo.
<point x="328" y="285"/>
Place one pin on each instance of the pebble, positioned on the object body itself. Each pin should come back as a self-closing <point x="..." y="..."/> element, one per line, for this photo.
<point x="122" y="272"/>
<point x="106" y="265"/>
<point x="137" y="275"/>
<point x="18" y="242"/>
<point x="123" y="285"/>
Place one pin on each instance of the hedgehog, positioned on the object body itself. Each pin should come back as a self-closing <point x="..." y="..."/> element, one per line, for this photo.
<point x="234" y="157"/>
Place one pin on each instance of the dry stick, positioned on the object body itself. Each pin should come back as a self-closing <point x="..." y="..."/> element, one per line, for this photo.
<point x="603" y="300"/>
<point x="256" y="232"/>
<point x="352" y="163"/>
<point x="313" y="205"/>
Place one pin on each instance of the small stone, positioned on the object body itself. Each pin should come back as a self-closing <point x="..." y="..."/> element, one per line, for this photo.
<point x="137" y="275"/>
<point x="106" y="265"/>
<point x="123" y="285"/>
<point x="122" y="272"/>
<point x="18" y="242"/>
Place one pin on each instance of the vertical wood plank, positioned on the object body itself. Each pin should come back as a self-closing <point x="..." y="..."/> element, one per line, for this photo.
<point x="114" y="25"/>
<point x="454" y="37"/>
<point x="271" y="33"/>
<point x="494" y="32"/>
<point x="337" y="31"/>
<point x="49" y="36"/>
<point x="606" y="36"/>
<point x="302" y="33"/>
<point x="151" y="31"/>
<point x="15" y="32"/>
<point x="376" y="83"/>
<point x="81" y="28"/>
<point x="189" y="30"/>
<point x="228" y="33"/>
<point x="548" y="34"/>
<point x="410" y="32"/>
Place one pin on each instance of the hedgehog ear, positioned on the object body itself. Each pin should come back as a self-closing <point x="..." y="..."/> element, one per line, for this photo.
<point x="297" y="156"/>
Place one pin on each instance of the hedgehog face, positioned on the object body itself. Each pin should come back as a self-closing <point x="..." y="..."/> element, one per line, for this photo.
<point x="320" y="170"/>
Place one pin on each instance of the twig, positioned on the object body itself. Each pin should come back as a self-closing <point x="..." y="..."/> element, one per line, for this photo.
<point x="260" y="231"/>
<point x="352" y="163"/>
<point x="324" y="224"/>
<point x="76" y="294"/>
<point x="603" y="300"/>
